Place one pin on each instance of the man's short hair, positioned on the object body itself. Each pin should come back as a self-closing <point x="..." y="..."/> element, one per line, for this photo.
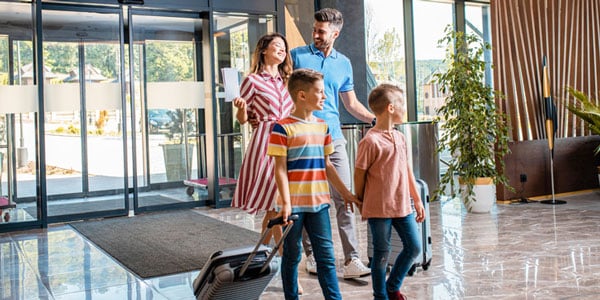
<point x="302" y="80"/>
<point x="331" y="15"/>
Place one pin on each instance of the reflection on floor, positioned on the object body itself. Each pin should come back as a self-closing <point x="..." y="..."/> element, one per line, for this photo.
<point x="525" y="251"/>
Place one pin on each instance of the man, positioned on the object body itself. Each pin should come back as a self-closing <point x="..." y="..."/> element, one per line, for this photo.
<point x="339" y="84"/>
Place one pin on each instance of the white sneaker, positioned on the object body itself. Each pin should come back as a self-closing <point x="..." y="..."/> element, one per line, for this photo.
<point x="311" y="264"/>
<point x="356" y="269"/>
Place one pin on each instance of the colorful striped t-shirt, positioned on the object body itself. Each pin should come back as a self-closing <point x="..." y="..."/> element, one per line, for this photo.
<point x="305" y="144"/>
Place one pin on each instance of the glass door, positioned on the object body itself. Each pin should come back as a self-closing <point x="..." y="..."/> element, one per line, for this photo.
<point x="18" y="111"/>
<point x="84" y="107"/>
<point x="235" y="38"/>
<point x="168" y="108"/>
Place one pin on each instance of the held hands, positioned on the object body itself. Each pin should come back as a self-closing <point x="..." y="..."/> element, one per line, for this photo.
<point x="350" y="200"/>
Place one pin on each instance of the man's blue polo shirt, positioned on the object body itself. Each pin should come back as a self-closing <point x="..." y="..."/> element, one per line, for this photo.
<point x="337" y="75"/>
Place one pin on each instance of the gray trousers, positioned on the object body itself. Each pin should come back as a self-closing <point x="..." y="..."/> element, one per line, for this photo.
<point x="345" y="220"/>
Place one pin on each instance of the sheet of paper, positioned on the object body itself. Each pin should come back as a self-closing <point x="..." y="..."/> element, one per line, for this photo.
<point x="231" y="83"/>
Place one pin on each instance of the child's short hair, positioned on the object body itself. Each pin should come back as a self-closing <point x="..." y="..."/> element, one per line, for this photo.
<point x="302" y="80"/>
<point x="380" y="97"/>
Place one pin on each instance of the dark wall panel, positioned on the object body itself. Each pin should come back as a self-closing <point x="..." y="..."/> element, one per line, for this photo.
<point x="574" y="167"/>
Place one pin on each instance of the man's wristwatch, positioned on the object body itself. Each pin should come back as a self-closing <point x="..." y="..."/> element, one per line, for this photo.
<point x="374" y="121"/>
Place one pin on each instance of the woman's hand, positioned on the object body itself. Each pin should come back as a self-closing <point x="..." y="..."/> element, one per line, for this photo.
<point x="239" y="102"/>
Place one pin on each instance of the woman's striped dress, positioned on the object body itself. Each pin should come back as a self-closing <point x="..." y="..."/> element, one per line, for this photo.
<point x="268" y="100"/>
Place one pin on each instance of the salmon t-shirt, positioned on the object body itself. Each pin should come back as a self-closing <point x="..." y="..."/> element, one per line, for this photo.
<point x="383" y="155"/>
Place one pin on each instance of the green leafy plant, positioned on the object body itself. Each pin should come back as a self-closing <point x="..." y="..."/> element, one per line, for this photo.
<point x="588" y="111"/>
<point x="471" y="127"/>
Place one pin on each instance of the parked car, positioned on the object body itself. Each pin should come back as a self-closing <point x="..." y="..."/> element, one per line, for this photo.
<point x="159" y="120"/>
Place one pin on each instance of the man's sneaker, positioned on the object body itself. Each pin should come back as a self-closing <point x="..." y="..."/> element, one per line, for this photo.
<point x="311" y="264"/>
<point x="356" y="269"/>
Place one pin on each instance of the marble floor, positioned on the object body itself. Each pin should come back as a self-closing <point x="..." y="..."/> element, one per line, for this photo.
<point x="518" y="251"/>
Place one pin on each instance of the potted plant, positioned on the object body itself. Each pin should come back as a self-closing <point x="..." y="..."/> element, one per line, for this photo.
<point x="472" y="129"/>
<point x="589" y="112"/>
<point x="177" y="152"/>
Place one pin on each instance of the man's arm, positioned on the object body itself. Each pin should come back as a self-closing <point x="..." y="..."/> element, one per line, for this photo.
<point x="355" y="108"/>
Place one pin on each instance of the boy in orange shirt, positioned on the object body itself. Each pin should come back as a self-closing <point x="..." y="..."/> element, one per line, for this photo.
<point x="385" y="183"/>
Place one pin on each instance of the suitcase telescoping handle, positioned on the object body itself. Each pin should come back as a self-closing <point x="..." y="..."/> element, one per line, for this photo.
<point x="279" y="220"/>
<point x="272" y="222"/>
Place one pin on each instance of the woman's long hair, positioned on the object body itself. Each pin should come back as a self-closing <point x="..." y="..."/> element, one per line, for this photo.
<point x="258" y="59"/>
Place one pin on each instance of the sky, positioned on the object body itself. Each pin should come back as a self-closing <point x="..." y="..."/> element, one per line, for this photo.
<point x="430" y="20"/>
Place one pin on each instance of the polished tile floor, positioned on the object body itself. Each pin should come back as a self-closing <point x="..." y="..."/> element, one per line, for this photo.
<point x="518" y="251"/>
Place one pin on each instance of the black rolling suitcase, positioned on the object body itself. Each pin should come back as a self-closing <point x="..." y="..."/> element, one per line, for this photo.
<point x="240" y="273"/>
<point x="424" y="259"/>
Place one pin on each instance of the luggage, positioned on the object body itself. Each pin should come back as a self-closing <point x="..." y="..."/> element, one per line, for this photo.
<point x="240" y="273"/>
<point x="424" y="259"/>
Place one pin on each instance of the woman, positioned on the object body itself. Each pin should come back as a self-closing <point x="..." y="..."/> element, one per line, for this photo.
<point x="265" y="98"/>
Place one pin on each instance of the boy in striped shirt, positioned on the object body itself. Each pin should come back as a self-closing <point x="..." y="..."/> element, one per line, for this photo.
<point x="300" y="145"/>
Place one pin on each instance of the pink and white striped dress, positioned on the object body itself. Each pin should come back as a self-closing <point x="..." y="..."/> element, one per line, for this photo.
<point x="268" y="99"/>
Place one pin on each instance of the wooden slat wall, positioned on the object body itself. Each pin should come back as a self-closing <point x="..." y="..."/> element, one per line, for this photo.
<point x="567" y="32"/>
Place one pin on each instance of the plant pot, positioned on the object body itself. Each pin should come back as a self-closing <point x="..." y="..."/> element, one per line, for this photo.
<point x="176" y="164"/>
<point x="484" y="198"/>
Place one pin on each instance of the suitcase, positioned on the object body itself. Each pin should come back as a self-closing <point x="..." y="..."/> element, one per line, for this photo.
<point x="240" y="273"/>
<point x="424" y="258"/>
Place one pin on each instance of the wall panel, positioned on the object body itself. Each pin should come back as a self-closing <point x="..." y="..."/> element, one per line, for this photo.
<point x="567" y="33"/>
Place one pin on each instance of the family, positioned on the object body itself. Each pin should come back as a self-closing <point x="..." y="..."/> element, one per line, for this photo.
<point x="296" y="162"/>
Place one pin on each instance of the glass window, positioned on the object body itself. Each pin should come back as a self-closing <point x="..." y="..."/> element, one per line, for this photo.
<point x="385" y="43"/>
<point x="478" y="22"/>
<point x="430" y="20"/>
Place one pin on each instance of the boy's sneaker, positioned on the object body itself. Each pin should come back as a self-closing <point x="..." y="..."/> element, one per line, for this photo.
<point x="311" y="264"/>
<point x="356" y="269"/>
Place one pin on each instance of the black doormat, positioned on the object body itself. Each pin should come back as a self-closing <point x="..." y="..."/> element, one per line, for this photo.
<point x="78" y="207"/>
<point x="164" y="243"/>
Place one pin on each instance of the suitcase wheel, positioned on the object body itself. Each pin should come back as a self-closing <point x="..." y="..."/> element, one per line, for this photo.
<point x="426" y="265"/>
<point x="412" y="270"/>
<point x="190" y="190"/>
